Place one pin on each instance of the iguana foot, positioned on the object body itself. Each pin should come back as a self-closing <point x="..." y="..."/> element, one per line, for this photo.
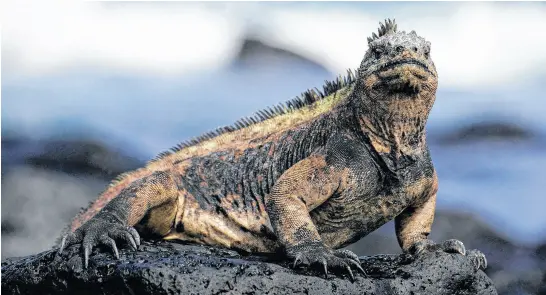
<point x="96" y="232"/>
<point x="450" y="246"/>
<point x="322" y="257"/>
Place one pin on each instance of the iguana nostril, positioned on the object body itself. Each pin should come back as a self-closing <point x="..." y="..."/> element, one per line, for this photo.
<point x="415" y="49"/>
<point x="399" y="48"/>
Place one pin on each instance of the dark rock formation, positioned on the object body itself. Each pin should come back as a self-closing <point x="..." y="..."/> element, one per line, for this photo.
<point x="541" y="252"/>
<point x="169" y="268"/>
<point x="514" y="269"/>
<point x="255" y="53"/>
<point x="487" y="131"/>
<point x="72" y="156"/>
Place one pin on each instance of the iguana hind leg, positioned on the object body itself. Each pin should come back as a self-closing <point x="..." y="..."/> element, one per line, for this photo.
<point x="299" y="190"/>
<point x="154" y="197"/>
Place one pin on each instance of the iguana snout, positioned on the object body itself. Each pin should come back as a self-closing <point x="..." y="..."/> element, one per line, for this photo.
<point x="398" y="62"/>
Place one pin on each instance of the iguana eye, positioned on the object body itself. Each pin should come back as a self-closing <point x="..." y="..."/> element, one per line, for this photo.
<point x="377" y="52"/>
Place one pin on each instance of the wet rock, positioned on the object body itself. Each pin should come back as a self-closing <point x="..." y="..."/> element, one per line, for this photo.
<point x="487" y="131"/>
<point x="541" y="253"/>
<point x="169" y="268"/>
<point x="513" y="268"/>
<point x="542" y="290"/>
<point x="8" y="228"/>
<point x="79" y="156"/>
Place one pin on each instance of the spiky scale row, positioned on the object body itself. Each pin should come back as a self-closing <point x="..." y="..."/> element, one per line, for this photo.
<point x="309" y="97"/>
<point x="388" y="27"/>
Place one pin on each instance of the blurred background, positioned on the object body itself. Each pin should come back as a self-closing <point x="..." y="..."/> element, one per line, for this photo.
<point x="93" y="89"/>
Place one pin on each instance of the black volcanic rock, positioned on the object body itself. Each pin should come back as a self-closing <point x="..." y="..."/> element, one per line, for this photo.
<point x="83" y="156"/>
<point x="170" y="268"/>
<point x="487" y="131"/>
<point x="513" y="268"/>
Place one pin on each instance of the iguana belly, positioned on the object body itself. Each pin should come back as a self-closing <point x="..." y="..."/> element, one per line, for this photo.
<point x="246" y="229"/>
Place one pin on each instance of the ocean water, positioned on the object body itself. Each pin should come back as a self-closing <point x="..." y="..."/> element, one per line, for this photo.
<point x="501" y="180"/>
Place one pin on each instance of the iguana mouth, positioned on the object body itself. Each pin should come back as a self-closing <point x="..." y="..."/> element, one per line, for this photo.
<point x="397" y="77"/>
<point x="393" y="64"/>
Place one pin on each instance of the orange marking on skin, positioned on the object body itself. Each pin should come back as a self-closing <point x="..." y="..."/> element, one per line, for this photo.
<point x="407" y="54"/>
<point x="379" y="144"/>
<point x="302" y="188"/>
<point x="370" y="81"/>
<point x="415" y="223"/>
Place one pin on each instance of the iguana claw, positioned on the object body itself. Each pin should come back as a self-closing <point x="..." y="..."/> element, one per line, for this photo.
<point x="353" y="258"/>
<point x="297" y="260"/>
<point x="325" y="264"/>
<point x="450" y="246"/>
<point x="324" y="258"/>
<point x="478" y="259"/>
<point x="96" y="232"/>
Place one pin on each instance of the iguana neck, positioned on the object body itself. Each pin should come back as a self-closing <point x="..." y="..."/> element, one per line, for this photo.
<point x="395" y="125"/>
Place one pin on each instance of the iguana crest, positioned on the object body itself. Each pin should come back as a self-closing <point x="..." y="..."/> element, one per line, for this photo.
<point x="307" y="98"/>
<point x="384" y="29"/>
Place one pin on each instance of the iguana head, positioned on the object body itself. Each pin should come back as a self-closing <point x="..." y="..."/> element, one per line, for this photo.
<point x="397" y="63"/>
<point x="396" y="87"/>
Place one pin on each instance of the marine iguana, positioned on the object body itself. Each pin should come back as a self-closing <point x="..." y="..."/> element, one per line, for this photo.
<point x="304" y="178"/>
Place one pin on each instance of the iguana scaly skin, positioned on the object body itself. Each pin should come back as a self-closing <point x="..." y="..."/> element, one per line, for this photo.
<point x="304" y="178"/>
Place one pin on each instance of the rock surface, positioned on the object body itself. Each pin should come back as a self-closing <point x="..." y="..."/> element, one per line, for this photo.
<point x="487" y="131"/>
<point x="170" y="268"/>
<point x="514" y="269"/>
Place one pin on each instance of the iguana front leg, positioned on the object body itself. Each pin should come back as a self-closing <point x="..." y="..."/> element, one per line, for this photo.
<point x="116" y="220"/>
<point x="299" y="190"/>
<point x="414" y="224"/>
